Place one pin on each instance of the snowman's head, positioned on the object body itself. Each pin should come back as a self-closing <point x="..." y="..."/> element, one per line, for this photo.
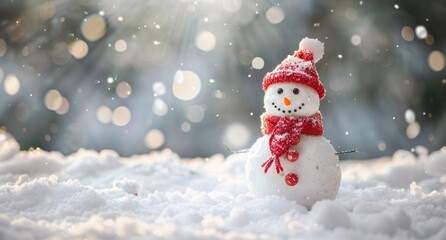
<point x="291" y="99"/>
<point x="293" y="88"/>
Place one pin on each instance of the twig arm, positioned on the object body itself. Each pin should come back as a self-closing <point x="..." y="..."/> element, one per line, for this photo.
<point x="354" y="150"/>
<point x="239" y="151"/>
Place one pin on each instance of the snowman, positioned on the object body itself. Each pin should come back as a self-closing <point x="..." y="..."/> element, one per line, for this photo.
<point x="293" y="159"/>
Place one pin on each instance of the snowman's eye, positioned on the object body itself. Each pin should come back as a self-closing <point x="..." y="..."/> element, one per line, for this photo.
<point x="280" y="91"/>
<point x="296" y="91"/>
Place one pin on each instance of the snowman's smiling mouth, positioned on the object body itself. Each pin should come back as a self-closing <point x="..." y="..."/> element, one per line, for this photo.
<point x="287" y="110"/>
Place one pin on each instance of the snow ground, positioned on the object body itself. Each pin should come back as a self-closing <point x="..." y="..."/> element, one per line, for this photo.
<point x="99" y="195"/>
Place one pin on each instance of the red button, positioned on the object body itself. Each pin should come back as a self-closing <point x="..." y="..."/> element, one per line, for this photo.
<point x="291" y="179"/>
<point x="292" y="155"/>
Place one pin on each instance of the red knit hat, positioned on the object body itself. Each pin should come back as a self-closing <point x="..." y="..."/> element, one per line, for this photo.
<point x="299" y="68"/>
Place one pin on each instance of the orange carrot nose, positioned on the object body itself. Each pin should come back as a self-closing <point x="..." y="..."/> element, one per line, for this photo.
<point x="286" y="101"/>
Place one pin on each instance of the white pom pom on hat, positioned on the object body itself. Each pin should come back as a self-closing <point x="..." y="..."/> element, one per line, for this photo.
<point x="314" y="46"/>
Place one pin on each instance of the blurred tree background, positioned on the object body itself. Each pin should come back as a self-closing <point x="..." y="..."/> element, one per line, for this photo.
<point x="143" y="75"/>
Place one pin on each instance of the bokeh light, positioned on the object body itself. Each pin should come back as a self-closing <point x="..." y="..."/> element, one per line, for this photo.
<point x="120" y="45"/>
<point x="195" y="113"/>
<point x="123" y="90"/>
<point x="275" y="15"/>
<point x="160" y="108"/>
<point x="351" y="14"/>
<point x="159" y="89"/>
<point x="121" y="116"/>
<point x="421" y="32"/>
<point x="25" y="51"/>
<point x="53" y="100"/>
<point x="237" y="135"/>
<point x="436" y="61"/>
<point x="205" y="41"/>
<point x="231" y="5"/>
<point x="104" y="114"/>
<point x="407" y="33"/>
<point x="154" y="139"/>
<point x="64" y="107"/>
<point x="429" y="39"/>
<point x="11" y="85"/>
<point x="78" y="49"/>
<point x="412" y="130"/>
<point x="219" y="94"/>
<point x="94" y="27"/>
<point x="356" y="40"/>
<point x="185" y="127"/>
<point x="258" y="63"/>
<point x="409" y="116"/>
<point x="186" y="85"/>
<point x="382" y="146"/>
<point x="47" y="10"/>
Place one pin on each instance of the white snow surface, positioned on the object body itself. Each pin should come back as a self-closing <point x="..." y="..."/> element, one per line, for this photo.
<point x="100" y="195"/>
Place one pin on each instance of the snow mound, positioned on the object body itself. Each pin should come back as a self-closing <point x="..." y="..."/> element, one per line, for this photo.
<point x="100" y="195"/>
<point x="129" y="186"/>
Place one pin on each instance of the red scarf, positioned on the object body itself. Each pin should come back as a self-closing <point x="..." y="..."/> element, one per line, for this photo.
<point x="285" y="132"/>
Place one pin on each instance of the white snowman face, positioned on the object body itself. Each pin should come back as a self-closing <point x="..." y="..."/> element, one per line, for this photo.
<point x="291" y="99"/>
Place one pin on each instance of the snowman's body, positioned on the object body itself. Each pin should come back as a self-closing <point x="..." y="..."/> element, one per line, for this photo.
<point x="293" y="159"/>
<point x="317" y="168"/>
